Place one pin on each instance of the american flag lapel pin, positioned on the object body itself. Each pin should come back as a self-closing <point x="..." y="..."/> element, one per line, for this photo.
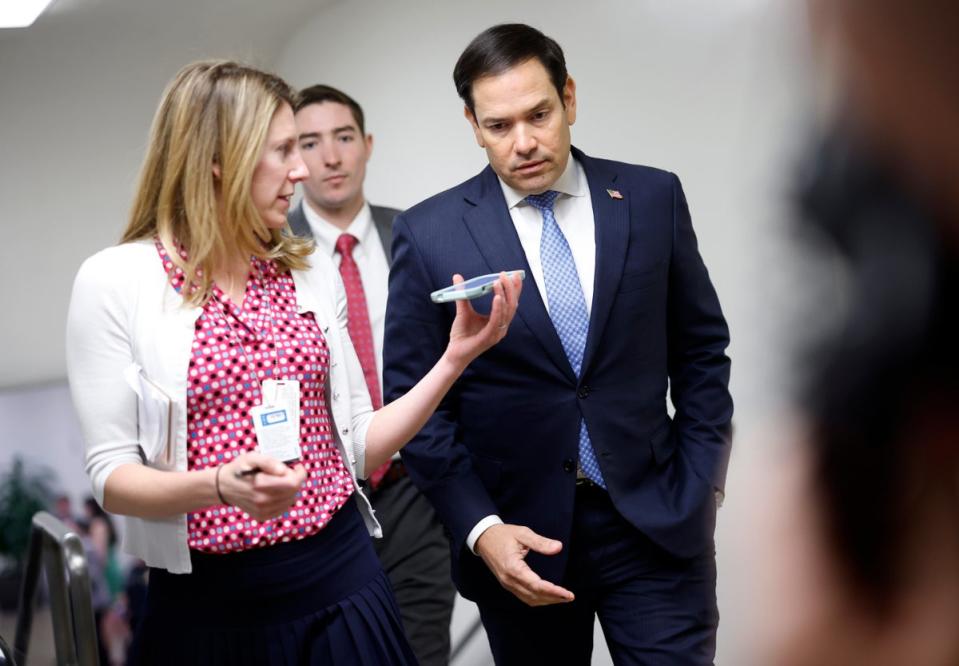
<point x="614" y="194"/>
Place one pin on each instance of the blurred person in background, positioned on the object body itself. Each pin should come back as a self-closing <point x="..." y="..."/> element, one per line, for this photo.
<point x="63" y="510"/>
<point x="194" y="348"/>
<point x="863" y="565"/>
<point x="106" y="581"/>
<point x="103" y="537"/>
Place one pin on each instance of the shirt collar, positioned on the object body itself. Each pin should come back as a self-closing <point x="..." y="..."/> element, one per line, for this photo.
<point x="261" y="268"/>
<point x="572" y="182"/>
<point x="325" y="233"/>
<point x="264" y="268"/>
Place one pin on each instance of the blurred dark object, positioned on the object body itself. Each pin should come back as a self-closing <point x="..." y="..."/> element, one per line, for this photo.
<point x="63" y="511"/>
<point x="23" y="492"/>
<point x="885" y="372"/>
<point x="136" y="595"/>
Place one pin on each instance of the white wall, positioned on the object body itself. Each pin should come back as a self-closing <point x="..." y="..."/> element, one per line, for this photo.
<point x="38" y="425"/>
<point x="711" y="90"/>
<point x="78" y="90"/>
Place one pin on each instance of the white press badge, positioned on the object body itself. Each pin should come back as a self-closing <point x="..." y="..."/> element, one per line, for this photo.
<point x="277" y="420"/>
<point x="284" y="392"/>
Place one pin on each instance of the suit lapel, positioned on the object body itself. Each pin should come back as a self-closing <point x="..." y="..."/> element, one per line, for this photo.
<point x="489" y="223"/>
<point x="383" y="222"/>
<point x="611" y="218"/>
<point x="297" y="221"/>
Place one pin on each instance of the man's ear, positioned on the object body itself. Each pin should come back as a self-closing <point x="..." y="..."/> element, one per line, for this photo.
<point x="368" y="140"/>
<point x="476" y="128"/>
<point x="569" y="99"/>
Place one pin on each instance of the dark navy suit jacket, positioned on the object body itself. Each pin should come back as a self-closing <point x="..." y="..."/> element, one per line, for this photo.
<point x="504" y="441"/>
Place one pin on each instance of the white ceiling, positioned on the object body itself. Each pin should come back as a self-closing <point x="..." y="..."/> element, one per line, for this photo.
<point x="218" y="23"/>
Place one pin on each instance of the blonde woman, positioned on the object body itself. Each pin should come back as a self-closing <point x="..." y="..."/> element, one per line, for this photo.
<point x="207" y="347"/>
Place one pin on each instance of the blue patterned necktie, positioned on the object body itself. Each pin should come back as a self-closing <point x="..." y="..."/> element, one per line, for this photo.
<point x="567" y="309"/>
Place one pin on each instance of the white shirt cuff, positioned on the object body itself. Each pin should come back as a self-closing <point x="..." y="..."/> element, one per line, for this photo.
<point x="478" y="530"/>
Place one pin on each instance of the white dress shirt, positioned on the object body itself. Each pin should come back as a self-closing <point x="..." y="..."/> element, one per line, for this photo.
<point x="573" y="211"/>
<point x="370" y="258"/>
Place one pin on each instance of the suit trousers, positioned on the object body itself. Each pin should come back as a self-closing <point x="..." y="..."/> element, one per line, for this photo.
<point x="416" y="556"/>
<point x="654" y="608"/>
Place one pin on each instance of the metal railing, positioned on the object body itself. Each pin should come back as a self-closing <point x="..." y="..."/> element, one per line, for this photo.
<point x="60" y="553"/>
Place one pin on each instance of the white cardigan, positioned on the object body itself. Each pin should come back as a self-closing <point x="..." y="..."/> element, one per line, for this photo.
<point x="124" y="312"/>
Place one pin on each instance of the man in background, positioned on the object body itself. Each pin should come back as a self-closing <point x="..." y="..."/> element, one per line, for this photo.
<point x="335" y="147"/>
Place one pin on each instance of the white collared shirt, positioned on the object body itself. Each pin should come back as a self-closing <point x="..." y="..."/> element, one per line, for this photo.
<point x="574" y="216"/>
<point x="573" y="211"/>
<point x="370" y="258"/>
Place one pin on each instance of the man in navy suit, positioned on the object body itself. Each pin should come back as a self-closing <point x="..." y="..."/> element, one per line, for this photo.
<point x="566" y="489"/>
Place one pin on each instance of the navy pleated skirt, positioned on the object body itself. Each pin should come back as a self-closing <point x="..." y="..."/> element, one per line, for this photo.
<point x="321" y="600"/>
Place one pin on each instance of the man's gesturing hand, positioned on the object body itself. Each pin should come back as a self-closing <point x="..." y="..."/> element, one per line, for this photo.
<point x="504" y="547"/>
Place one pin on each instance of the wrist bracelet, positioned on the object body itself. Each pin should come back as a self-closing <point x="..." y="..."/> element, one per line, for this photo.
<point x="217" y="482"/>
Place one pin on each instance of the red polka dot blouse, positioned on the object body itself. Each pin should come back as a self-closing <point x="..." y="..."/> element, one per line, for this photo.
<point x="235" y="348"/>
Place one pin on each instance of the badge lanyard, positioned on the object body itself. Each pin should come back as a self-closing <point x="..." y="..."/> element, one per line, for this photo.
<point x="277" y="419"/>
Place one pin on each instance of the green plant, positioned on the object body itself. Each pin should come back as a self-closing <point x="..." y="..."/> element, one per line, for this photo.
<point x="23" y="492"/>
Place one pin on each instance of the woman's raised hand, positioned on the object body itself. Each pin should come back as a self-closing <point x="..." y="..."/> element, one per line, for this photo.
<point x="473" y="333"/>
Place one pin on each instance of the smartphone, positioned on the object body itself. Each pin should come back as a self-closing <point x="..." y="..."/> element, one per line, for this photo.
<point x="472" y="288"/>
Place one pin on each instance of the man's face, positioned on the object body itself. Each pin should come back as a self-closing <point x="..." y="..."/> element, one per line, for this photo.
<point x="524" y="127"/>
<point x="336" y="152"/>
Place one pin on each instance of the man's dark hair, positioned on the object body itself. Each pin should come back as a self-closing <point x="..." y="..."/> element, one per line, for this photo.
<point x="502" y="47"/>
<point x="321" y="93"/>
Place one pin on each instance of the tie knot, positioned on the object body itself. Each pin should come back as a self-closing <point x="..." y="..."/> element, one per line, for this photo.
<point x="543" y="201"/>
<point x="345" y="244"/>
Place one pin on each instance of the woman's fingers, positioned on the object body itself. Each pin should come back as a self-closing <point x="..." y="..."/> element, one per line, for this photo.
<point x="264" y="463"/>
<point x="268" y="492"/>
<point x="460" y="305"/>
<point x="464" y="308"/>
<point x="507" y="288"/>
<point x="287" y="483"/>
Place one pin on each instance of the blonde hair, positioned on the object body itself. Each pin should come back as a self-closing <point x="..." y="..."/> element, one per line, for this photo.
<point x="213" y="112"/>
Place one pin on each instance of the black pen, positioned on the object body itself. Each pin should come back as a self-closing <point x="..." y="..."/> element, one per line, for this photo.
<point x="252" y="471"/>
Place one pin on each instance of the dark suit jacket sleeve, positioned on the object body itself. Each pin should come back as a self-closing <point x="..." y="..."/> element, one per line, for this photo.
<point x="417" y="332"/>
<point x="297" y="221"/>
<point x="383" y="222"/>
<point x="698" y="366"/>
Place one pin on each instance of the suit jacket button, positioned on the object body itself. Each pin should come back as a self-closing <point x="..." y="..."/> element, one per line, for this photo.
<point x="583" y="391"/>
<point x="569" y="466"/>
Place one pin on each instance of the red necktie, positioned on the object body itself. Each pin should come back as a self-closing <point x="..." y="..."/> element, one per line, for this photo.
<point x="361" y="333"/>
